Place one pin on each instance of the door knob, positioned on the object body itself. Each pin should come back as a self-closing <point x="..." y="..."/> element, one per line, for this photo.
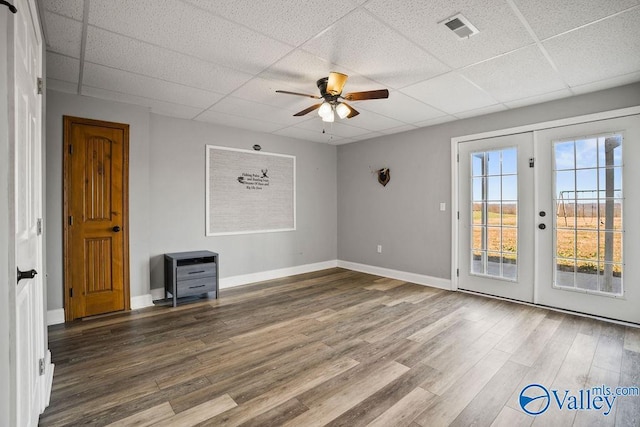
<point x="542" y="226"/>
<point x="116" y="228"/>
<point x="30" y="274"/>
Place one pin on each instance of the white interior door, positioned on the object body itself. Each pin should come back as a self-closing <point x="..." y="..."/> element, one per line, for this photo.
<point x="589" y="185"/>
<point x="495" y="225"/>
<point x="29" y="334"/>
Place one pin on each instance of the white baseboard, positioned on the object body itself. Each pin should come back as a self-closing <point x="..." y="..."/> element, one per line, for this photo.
<point x="55" y="317"/>
<point x="141" y="301"/>
<point x="420" y="279"/>
<point x="244" y="279"/>
<point x="158" y="293"/>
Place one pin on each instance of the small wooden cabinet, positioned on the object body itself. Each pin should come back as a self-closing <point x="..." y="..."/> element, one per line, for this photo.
<point x="191" y="273"/>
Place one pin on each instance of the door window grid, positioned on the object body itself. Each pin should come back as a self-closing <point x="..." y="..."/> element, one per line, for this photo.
<point x="494" y="214"/>
<point x="588" y="231"/>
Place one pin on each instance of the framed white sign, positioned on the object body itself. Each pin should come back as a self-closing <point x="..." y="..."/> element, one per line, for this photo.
<point x="249" y="191"/>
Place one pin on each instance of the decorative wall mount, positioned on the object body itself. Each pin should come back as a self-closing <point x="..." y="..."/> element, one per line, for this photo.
<point x="384" y="176"/>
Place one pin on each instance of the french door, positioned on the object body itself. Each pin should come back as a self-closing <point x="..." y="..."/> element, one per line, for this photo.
<point x="545" y="217"/>
<point x="496" y="205"/>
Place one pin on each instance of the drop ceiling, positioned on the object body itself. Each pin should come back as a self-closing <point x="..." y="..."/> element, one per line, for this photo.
<point x="220" y="61"/>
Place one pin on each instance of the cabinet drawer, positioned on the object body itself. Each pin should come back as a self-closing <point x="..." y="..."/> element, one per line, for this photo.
<point x="196" y="286"/>
<point x="195" y="271"/>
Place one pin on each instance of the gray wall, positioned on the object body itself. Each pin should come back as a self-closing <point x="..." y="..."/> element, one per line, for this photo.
<point x="404" y="216"/>
<point x="166" y="204"/>
<point x="177" y="206"/>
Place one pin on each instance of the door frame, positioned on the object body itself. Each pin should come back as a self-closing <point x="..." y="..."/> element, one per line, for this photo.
<point x="455" y="250"/>
<point x="69" y="314"/>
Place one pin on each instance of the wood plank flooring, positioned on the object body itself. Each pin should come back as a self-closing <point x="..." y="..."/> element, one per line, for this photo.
<point x="338" y="348"/>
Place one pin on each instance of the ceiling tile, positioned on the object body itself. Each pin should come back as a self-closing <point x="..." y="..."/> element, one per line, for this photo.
<point x="134" y="84"/>
<point x="399" y="129"/>
<point x="450" y="93"/>
<point x="363" y="44"/>
<point x="64" y="35"/>
<point x="290" y="21"/>
<point x="500" y="30"/>
<point x="481" y="111"/>
<point x="266" y="113"/>
<point x="436" y="121"/>
<point x="184" y="28"/>
<point x="69" y="8"/>
<point x="538" y="99"/>
<point x="117" y="51"/>
<point x="308" y="135"/>
<point x="607" y="83"/>
<point x="237" y="121"/>
<point x="400" y="107"/>
<point x="550" y="17"/>
<point x="372" y="121"/>
<point x="516" y="75"/>
<point x="60" y="86"/>
<point x="264" y="91"/>
<point x="155" y="106"/>
<point x="62" y="68"/>
<point x="600" y="51"/>
<point x="336" y="128"/>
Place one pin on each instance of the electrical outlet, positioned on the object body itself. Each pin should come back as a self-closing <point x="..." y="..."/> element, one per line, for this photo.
<point x="379" y="249"/>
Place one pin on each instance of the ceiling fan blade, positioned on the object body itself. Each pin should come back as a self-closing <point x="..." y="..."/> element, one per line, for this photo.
<point x="298" y="93"/>
<point x="336" y="83"/>
<point x="353" y="112"/>
<point x="308" y="110"/>
<point x="370" y="94"/>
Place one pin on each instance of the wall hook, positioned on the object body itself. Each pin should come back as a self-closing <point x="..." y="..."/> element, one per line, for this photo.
<point x="11" y="7"/>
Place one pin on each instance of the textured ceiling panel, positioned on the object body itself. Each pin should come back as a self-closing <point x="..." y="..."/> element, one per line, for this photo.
<point x="147" y="87"/>
<point x="184" y="28"/>
<point x="123" y="53"/>
<point x="603" y="50"/>
<point x="62" y="68"/>
<point x="361" y="43"/>
<point x="69" y="8"/>
<point x="400" y="106"/>
<point x="275" y="18"/>
<point x="450" y="93"/>
<point x="550" y="17"/>
<point x="155" y="106"/>
<point x="182" y="57"/>
<point x="253" y="110"/>
<point x="64" y="35"/>
<point x="516" y="75"/>
<point x="500" y="30"/>
<point x="237" y="121"/>
<point x="309" y="135"/>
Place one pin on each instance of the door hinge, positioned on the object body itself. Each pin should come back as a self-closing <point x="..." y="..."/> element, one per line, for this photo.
<point x="70" y="292"/>
<point x="458" y="214"/>
<point x="458" y="157"/>
<point x="41" y="366"/>
<point x="70" y="149"/>
<point x="70" y="219"/>
<point x="457" y="272"/>
<point x="40" y="86"/>
<point x="39" y="226"/>
<point x="531" y="161"/>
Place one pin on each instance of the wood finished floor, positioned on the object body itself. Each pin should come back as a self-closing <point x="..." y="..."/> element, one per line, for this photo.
<point x="339" y="348"/>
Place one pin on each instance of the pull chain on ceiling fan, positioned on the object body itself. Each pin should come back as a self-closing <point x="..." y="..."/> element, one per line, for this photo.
<point x="331" y="94"/>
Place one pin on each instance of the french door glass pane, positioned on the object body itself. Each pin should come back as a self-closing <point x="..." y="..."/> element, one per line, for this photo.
<point x="588" y="224"/>
<point x="494" y="213"/>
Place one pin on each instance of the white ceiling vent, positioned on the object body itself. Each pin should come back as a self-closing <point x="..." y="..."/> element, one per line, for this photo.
<point x="461" y="26"/>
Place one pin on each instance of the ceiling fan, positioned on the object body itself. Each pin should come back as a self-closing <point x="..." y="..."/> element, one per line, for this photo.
<point x="331" y="94"/>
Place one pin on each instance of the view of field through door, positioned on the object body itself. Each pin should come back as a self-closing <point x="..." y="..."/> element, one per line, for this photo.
<point x="554" y="230"/>
<point x="96" y="243"/>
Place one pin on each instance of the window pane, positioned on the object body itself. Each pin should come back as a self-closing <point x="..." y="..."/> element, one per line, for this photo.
<point x="564" y="158"/>
<point x="611" y="214"/>
<point x="565" y="244"/>
<point x="478" y="213"/>
<point x="509" y="161"/>
<point x="565" y="185"/>
<point x="510" y="214"/>
<point x="493" y="187"/>
<point x="587" y="245"/>
<point x="587" y="184"/>
<point x="510" y="187"/>
<point x="477" y="262"/>
<point x="509" y="239"/>
<point x="478" y="233"/>
<point x="477" y="195"/>
<point x="610" y="183"/>
<point x="510" y="267"/>
<point x="477" y="160"/>
<point x="493" y="163"/>
<point x="610" y="247"/>
<point x="493" y="238"/>
<point x="565" y="272"/>
<point x="610" y="148"/>
<point x="587" y="214"/>
<point x="587" y="153"/>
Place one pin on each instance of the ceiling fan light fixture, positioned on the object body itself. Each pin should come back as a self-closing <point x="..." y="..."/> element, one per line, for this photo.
<point x="342" y="110"/>
<point x="329" y="117"/>
<point x="324" y="110"/>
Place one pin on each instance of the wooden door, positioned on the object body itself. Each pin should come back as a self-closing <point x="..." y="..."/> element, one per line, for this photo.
<point x="96" y="252"/>
<point x="32" y="369"/>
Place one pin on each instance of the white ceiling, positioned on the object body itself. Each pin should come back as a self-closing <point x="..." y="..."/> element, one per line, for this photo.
<point x="220" y="61"/>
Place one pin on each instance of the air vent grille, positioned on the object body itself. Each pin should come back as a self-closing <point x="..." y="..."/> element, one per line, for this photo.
<point x="461" y="26"/>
